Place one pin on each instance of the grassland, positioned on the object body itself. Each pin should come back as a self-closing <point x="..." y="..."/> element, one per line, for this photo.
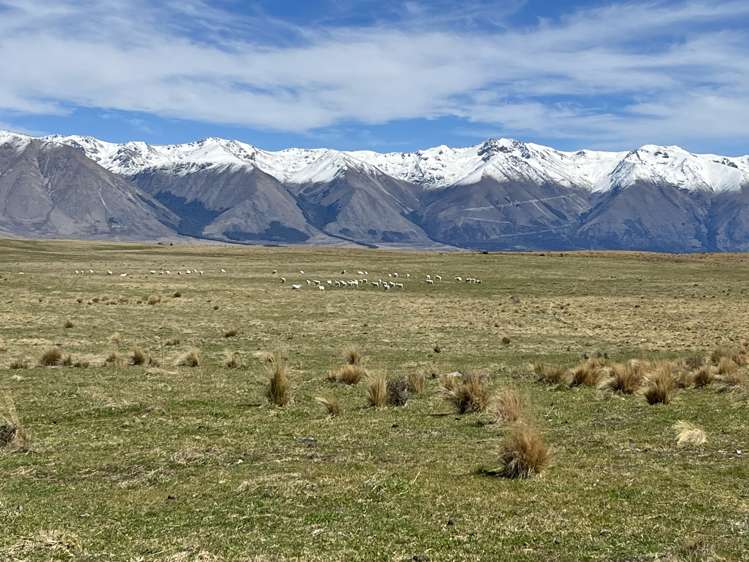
<point x="142" y="463"/>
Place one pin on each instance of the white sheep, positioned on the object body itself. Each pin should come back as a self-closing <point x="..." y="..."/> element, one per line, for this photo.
<point x="296" y="286"/>
<point x="283" y="280"/>
<point x="430" y="281"/>
<point x="321" y="287"/>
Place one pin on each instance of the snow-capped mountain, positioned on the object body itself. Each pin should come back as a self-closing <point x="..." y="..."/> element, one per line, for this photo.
<point x="502" y="193"/>
<point x="500" y="159"/>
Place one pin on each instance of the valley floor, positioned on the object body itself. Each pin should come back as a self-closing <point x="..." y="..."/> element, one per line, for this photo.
<point x="177" y="463"/>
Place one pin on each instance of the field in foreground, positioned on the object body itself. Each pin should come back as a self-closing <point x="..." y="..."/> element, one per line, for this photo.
<point x="186" y="463"/>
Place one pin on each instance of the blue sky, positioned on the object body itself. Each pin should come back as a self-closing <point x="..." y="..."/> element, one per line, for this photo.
<point x="387" y="75"/>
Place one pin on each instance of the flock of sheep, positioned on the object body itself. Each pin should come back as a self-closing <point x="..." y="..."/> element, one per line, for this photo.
<point x="394" y="281"/>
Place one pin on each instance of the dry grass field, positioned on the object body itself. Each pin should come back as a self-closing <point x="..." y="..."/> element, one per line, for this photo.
<point x="140" y="424"/>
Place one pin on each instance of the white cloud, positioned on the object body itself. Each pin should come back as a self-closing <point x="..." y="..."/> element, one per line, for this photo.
<point x="625" y="74"/>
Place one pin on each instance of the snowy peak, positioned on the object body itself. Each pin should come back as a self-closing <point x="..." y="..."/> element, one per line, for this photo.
<point x="673" y="165"/>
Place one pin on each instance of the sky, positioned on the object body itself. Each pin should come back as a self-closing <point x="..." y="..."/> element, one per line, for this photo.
<point x="385" y="75"/>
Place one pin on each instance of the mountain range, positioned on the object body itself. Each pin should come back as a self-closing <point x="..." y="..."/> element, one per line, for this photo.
<point x="500" y="194"/>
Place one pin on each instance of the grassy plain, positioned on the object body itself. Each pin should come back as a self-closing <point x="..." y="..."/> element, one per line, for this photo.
<point x="176" y="463"/>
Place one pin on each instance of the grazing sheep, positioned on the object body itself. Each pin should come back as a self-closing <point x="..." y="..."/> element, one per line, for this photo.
<point x="430" y="281"/>
<point x="283" y="280"/>
<point x="321" y="287"/>
<point x="223" y="271"/>
<point x="296" y="286"/>
<point x="459" y="279"/>
<point x="301" y="272"/>
<point x="109" y="272"/>
<point x="438" y="277"/>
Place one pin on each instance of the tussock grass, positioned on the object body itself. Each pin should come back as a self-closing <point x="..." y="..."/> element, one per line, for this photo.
<point x="53" y="357"/>
<point x="506" y="406"/>
<point x="68" y="324"/>
<point x="352" y="356"/>
<point x="469" y="395"/>
<point x="189" y="359"/>
<point x="230" y="333"/>
<point x="153" y="299"/>
<point x="349" y="374"/>
<point x="727" y="366"/>
<point x="523" y="453"/>
<point x="138" y="357"/>
<point x="264" y="357"/>
<point x="416" y="383"/>
<point x="625" y="378"/>
<point x="278" y="391"/>
<point x="736" y="355"/>
<point x="114" y="359"/>
<point x="232" y="360"/>
<point x="660" y="384"/>
<point x="688" y="435"/>
<point x="703" y="376"/>
<point x="67" y="361"/>
<point x="331" y="405"/>
<point x="377" y="392"/>
<point x="589" y="372"/>
<point x="19" y="363"/>
<point x="550" y="374"/>
<point x="13" y="434"/>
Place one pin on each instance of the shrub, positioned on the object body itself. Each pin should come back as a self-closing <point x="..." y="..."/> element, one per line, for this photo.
<point x="416" y="383"/>
<point x="470" y="394"/>
<point x="331" y="405"/>
<point x="350" y="374"/>
<point x="51" y="358"/>
<point x="230" y="333"/>
<point x="377" y="392"/>
<point x="505" y="340"/>
<point x="68" y="324"/>
<point x="506" y="406"/>
<point x="278" y="391"/>
<point x="523" y="453"/>
<point x="397" y="391"/>
<point x="660" y="385"/>
<point x="189" y="359"/>
<point x="624" y="378"/>
<point x="177" y="295"/>
<point x="138" y="357"/>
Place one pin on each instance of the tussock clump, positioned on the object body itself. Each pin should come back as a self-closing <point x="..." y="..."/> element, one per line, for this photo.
<point x="704" y="376"/>
<point x="688" y="435"/>
<point x="138" y="357"/>
<point x="469" y="395"/>
<point x="550" y="374"/>
<point x="67" y="361"/>
<point x="189" y="359"/>
<point x="727" y="366"/>
<point x="330" y="404"/>
<point x="230" y="333"/>
<point x="172" y="342"/>
<point x="13" y="435"/>
<point x="449" y="381"/>
<point x="153" y="299"/>
<point x="397" y="391"/>
<point x="81" y="364"/>
<point x="734" y="354"/>
<point x="523" y="453"/>
<point x="53" y="357"/>
<point x="731" y="381"/>
<point x="68" y="324"/>
<point x="377" y="392"/>
<point x="694" y="362"/>
<point x="626" y="378"/>
<point x="506" y="406"/>
<point x="232" y="361"/>
<point x="350" y="374"/>
<point x="353" y="356"/>
<point x="278" y="392"/>
<point x="589" y="372"/>
<point x="660" y="385"/>
<point x="20" y="363"/>
<point x="265" y="357"/>
<point x="416" y="383"/>
<point x="115" y="339"/>
<point x="177" y="295"/>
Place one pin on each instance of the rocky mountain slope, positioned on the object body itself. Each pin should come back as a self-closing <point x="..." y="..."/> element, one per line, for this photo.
<point x="501" y="194"/>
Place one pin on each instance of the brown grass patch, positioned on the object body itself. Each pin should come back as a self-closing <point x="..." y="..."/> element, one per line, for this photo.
<point x="523" y="453"/>
<point x="704" y="376"/>
<point x="470" y="394"/>
<point x="350" y="374"/>
<point x="377" y="392"/>
<point x="331" y="405"/>
<point x="588" y="373"/>
<point x="727" y="366"/>
<point x="550" y="374"/>
<point x="353" y="356"/>
<point x="138" y="357"/>
<point x="688" y="435"/>
<point x="724" y="352"/>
